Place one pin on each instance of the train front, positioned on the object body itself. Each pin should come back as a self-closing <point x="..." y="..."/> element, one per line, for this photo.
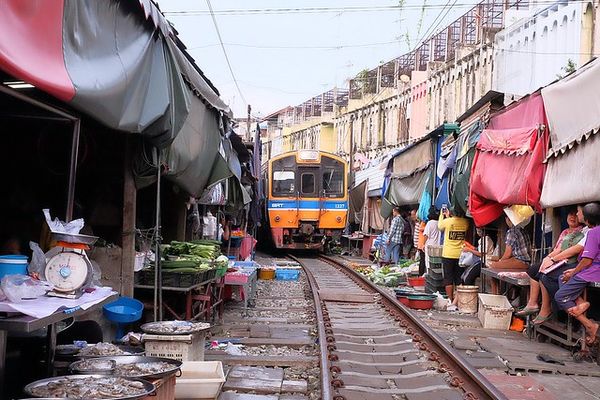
<point x="307" y="202"/>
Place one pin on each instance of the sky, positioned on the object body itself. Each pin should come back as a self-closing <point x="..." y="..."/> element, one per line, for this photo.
<point x="286" y="57"/>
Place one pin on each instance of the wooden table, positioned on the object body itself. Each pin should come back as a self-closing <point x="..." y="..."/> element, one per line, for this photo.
<point x="26" y="324"/>
<point x="201" y="292"/>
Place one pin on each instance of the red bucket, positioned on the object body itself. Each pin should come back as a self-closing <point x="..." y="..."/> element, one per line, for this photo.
<point x="416" y="281"/>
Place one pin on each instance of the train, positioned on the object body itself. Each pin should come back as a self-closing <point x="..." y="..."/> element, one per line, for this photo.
<point x="306" y="195"/>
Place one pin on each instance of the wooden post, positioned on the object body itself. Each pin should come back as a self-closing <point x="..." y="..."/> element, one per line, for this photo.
<point x="129" y="214"/>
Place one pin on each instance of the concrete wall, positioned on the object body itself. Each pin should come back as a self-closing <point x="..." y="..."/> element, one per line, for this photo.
<point x="535" y="51"/>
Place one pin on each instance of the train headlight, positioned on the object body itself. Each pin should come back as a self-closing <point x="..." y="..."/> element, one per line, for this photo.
<point x="338" y="219"/>
<point x="277" y="218"/>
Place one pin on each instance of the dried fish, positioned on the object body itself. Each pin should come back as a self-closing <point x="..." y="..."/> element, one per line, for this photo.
<point x="90" y="388"/>
<point x="174" y="327"/>
<point x="102" y="349"/>
<point x="142" y="369"/>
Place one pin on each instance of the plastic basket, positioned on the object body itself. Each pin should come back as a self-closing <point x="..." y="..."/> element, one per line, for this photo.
<point x="435" y="260"/>
<point x="494" y="312"/>
<point x="221" y="271"/>
<point x="434" y="250"/>
<point x="287" y="274"/>
<point x="200" y="380"/>
<point x="178" y="347"/>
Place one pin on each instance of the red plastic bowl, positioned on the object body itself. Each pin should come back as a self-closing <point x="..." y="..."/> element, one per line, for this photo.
<point x="420" y="304"/>
<point x="403" y="299"/>
<point x="418" y="281"/>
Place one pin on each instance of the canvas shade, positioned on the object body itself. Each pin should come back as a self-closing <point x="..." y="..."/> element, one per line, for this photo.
<point x="132" y="77"/>
<point x="572" y="106"/>
<point x="461" y="174"/>
<point x="508" y="165"/>
<point x="405" y="191"/>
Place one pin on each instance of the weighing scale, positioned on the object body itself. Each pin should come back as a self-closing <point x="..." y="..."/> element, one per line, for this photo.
<point x="70" y="270"/>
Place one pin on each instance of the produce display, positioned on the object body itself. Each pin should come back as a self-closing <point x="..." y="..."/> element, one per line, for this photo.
<point x="174" y="327"/>
<point x="89" y="387"/>
<point x="389" y="275"/>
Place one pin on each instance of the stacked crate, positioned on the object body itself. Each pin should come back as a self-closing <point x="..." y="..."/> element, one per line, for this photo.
<point x="434" y="280"/>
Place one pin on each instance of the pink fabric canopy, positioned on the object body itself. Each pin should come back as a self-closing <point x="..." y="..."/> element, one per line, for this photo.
<point x="508" y="167"/>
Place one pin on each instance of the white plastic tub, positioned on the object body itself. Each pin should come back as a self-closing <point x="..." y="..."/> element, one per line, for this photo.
<point x="200" y="380"/>
<point x="495" y="312"/>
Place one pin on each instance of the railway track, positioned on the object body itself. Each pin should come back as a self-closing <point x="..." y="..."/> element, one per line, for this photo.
<point x="372" y="347"/>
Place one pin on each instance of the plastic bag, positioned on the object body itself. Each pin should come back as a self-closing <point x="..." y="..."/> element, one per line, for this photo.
<point x="467" y="259"/>
<point x="441" y="303"/>
<point x="22" y="287"/>
<point x="58" y="226"/>
<point x="37" y="266"/>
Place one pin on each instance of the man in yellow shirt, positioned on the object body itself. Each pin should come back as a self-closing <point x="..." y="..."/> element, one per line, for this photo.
<point x="455" y="233"/>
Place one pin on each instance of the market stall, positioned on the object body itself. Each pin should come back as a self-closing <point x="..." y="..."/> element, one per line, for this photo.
<point x="508" y="165"/>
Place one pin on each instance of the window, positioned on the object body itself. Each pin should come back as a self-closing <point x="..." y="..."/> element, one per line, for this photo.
<point x="333" y="182"/>
<point x="332" y="174"/>
<point x="283" y="183"/>
<point x="307" y="183"/>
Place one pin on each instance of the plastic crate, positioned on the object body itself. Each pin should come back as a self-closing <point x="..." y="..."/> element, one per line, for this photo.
<point x="494" y="312"/>
<point x="287" y="274"/>
<point x="434" y="250"/>
<point x="200" y="380"/>
<point x="435" y="260"/>
<point x="178" y="347"/>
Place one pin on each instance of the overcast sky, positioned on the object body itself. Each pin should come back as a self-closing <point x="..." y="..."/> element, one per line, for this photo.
<point x="286" y="58"/>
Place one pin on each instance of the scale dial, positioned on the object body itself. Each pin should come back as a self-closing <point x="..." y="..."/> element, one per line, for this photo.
<point x="67" y="271"/>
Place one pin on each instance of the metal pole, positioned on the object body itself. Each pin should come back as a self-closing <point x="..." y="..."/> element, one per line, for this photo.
<point x="157" y="241"/>
<point x="248" y="123"/>
<point x="73" y="170"/>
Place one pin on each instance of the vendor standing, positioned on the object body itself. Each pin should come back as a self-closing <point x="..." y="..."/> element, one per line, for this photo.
<point x="455" y="231"/>
<point x="394" y="242"/>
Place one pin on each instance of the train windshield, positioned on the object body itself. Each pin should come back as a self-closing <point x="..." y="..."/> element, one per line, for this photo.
<point x="333" y="177"/>
<point x="284" y="177"/>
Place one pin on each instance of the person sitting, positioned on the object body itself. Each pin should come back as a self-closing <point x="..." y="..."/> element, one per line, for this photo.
<point x="516" y="255"/>
<point x="575" y="280"/>
<point x="455" y="231"/>
<point x="568" y="238"/>
<point x="484" y="247"/>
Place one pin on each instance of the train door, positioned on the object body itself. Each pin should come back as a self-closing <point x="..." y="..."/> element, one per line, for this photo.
<point x="310" y="187"/>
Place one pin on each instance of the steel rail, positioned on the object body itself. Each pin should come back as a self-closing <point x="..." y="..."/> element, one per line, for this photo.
<point x="456" y="365"/>
<point x="462" y="375"/>
<point x="324" y="361"/>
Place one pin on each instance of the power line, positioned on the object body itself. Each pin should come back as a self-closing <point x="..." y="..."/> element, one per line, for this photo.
<point x="214" y="19"/>
<point x="337" y="10"/>
<point x="338" y="47"/>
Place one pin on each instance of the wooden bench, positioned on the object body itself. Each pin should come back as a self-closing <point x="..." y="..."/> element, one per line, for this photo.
<point x="492" y="274"/>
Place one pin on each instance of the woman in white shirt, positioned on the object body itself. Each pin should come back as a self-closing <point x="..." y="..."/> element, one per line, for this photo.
<point x="432" y="234"/>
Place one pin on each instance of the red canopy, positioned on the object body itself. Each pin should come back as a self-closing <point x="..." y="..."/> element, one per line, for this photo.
<point x="508" y="167"/>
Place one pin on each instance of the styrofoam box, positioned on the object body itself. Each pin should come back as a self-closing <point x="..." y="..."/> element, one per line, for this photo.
<point x="177" y="347"/>
<point x="200" y="380"/>
<point x="494" y="312"/>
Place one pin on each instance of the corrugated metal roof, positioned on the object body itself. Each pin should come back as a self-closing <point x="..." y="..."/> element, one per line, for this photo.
<point x="375" y="176"/>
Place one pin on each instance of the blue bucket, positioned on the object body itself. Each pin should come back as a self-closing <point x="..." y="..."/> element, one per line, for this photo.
<point x="13" y="265"/>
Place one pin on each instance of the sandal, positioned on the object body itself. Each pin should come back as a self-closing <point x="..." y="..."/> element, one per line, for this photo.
<point x="527" y="311"/>
<point x="539" y="320"/>
<point x="589" y="340"/>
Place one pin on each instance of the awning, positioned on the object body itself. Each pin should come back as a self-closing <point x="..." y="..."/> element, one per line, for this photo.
<point x="412" y="159"/>
<point x="461" y="174"/>
<point x="405" y="191"/>
<point x="572" y="106"/>
<point x="508" y="165"/>
<point x="127" y="77"/>
<point x="357" y="197"/>
<point x="374" y="176"/>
